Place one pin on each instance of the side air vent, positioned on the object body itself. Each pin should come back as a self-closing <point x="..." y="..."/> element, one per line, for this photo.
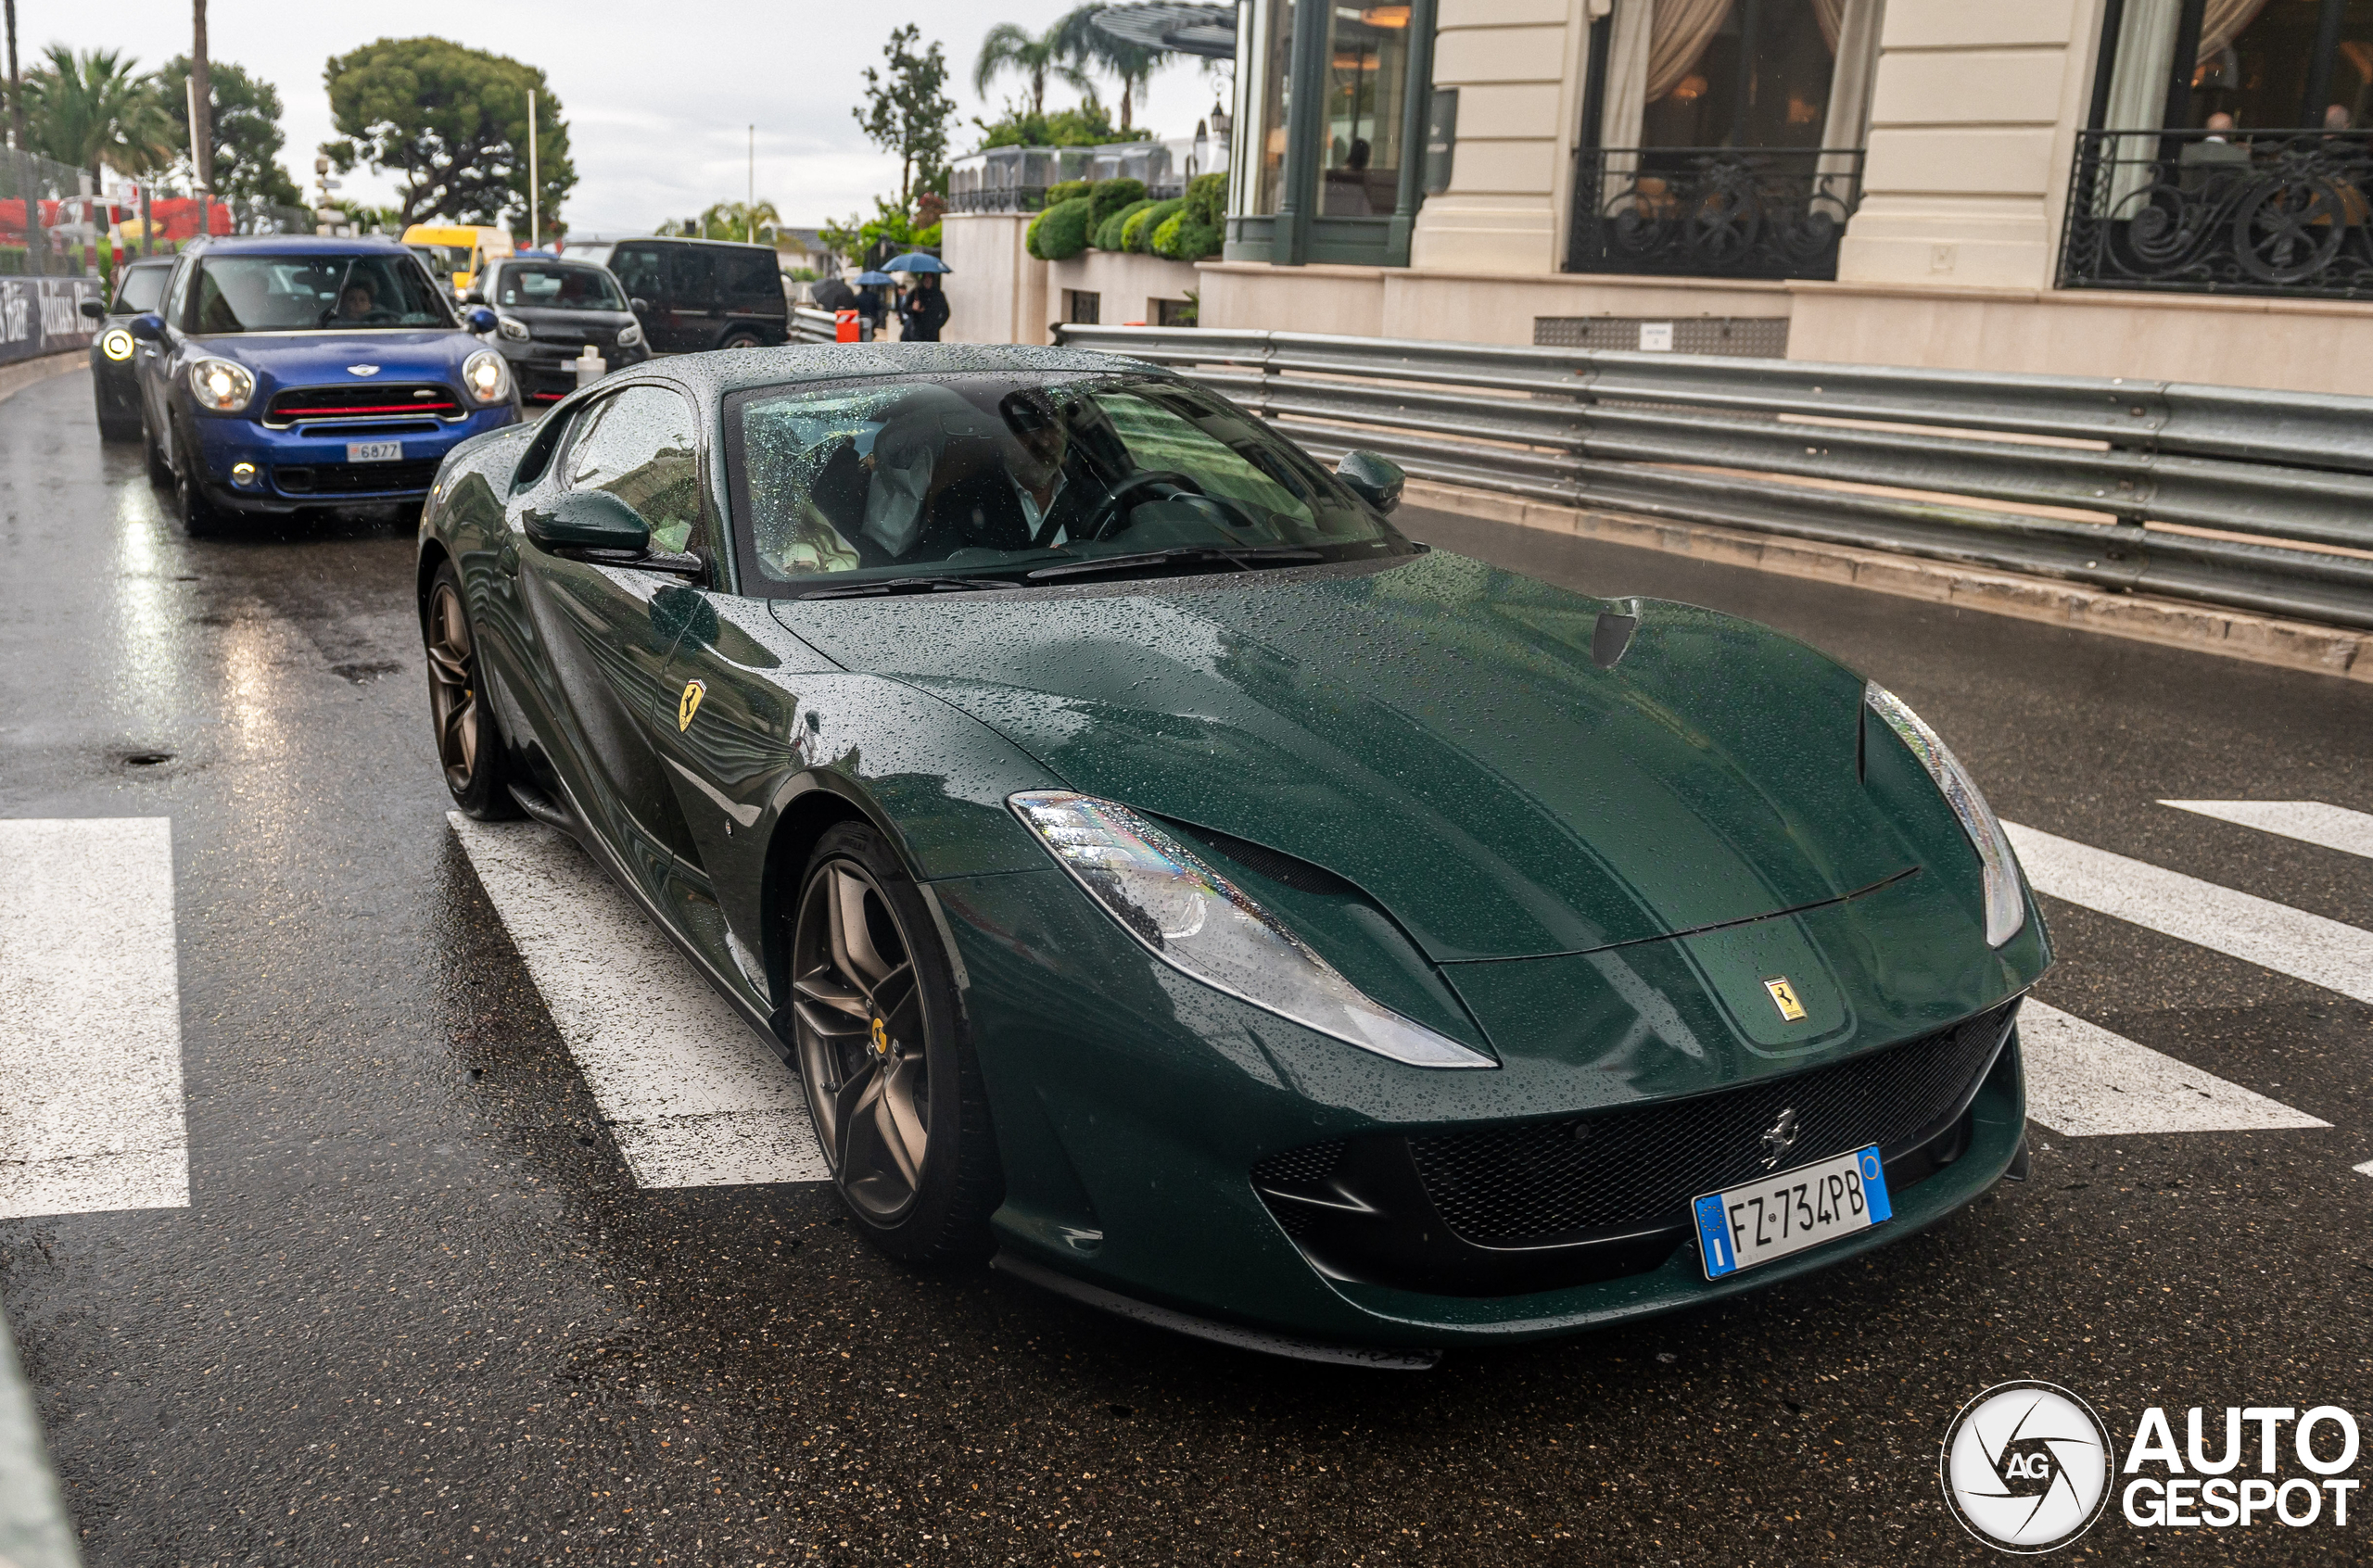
<point x="1611" y="637"/>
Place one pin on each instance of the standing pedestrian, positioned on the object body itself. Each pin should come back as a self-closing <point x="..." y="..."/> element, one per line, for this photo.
<point x="923" y="309"/>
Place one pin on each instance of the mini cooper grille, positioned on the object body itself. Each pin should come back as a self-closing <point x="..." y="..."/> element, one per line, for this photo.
<point x="1634" y="1168"/>
<point x="358" y="478"/>
<point x="362" y="402"/>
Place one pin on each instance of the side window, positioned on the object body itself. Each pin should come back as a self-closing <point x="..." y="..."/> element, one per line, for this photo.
<point x="692" y="277"/>
<point x="638" y="272"/>
<point x="173" y="308"/>
<point x="640" y="446"/>
<point x="750" y="281"/>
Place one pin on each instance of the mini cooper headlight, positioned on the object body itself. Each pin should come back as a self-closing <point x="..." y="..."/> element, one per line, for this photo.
<point x="2006" y="905"/>
<point x="512" y="328"/>
<point x="221" y="385"/>
<point x="117" y="343"/>
<point x="486" y="376"/>
<point x="1196" y="921"/>
<point x="629" y="335"/>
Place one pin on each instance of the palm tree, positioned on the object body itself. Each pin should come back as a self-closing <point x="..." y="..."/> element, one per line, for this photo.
<point x="95" y="110"/>
<point x="728" y="220"/>
<point x="1009" y="48"/>
<point x="1080" y="39"/>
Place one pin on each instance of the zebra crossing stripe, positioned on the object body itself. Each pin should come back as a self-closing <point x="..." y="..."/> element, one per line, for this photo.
<point x="91" y="1111"/>
<point x="2083" y="1080"/>
<point x="2311" y="822"/>
<point x="2258" y="930"/>
<point x="691" y="1096"/>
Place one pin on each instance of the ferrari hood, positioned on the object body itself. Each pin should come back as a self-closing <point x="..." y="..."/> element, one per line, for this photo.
<point x="1434" y="730"/>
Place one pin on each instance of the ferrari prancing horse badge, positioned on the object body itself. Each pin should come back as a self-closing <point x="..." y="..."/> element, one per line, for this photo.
<point x="1784" y="996"/>
<point x="689" y="704"/>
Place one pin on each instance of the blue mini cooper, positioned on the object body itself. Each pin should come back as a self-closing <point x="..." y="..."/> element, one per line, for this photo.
<point x="292" y="372"/>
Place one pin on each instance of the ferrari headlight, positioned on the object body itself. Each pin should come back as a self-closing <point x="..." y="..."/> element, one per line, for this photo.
<point x="629" y="335"/>
<point x="1196" y="921"/>
<point x="2006" y="905"/>
<point x="512" y="328"/>
<point x="117" y="343"/>
<point x="486" y="376"/>
<point x="221" y="385"/>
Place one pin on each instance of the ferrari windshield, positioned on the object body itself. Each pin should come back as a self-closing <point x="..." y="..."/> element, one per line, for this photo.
<point x="313" y="291"/>
<point x="1015" y="478"/>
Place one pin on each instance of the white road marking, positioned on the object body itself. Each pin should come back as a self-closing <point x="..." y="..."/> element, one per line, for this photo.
<point x="2083" y="1080"/>
<point x="91" y="1114"/>
<point x="2274" y="936"/>
<point x="694" y="1098"/>
<point x="2364" y="1169"/>
<point x="2310" y="821"/>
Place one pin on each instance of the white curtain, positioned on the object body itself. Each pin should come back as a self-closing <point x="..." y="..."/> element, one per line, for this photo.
<point x="1650" y="51"/>
<point x="1851" y="29"/>
<point x="2222" y="22"/>
<point x="2139" y="77"/>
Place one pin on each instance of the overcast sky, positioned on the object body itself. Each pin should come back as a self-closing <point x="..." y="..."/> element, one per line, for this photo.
<point x="657" y="95"/>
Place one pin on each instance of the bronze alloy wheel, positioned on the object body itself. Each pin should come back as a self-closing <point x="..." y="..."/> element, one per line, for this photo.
<point x="452" y="688"/>
<point x="862" y="1039"/>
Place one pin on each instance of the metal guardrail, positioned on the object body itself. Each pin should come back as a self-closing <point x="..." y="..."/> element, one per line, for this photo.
<point x="810" y="325"/>
<point x="1762" y="444"/>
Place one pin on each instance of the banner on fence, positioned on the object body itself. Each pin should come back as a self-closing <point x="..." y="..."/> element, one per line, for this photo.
<point x="45" y="315"/>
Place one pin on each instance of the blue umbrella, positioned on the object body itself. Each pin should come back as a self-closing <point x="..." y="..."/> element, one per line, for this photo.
<point x="867" y="279"/>
<point x="915" y="261"/>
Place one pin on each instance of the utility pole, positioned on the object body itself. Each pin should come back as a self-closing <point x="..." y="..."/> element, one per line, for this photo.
<point x="28" y="172"/>
<point x="535" y="187"/>
<point x="750" y="197"/>
<point x="15" y="83"/>
<point x="201" y="102"/>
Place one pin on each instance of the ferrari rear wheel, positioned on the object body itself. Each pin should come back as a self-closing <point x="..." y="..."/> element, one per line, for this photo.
<point x="468" y="746"/>
<point x="892" y="1086"/>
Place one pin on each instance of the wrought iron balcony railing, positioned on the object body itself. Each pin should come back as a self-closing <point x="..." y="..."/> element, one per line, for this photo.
<point x="1713" y="213"/>
<point x="1029" y="198"/>
<point x="2276" y="212"/>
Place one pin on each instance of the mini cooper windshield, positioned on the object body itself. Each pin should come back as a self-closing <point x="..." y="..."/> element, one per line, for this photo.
<point x="311" y="292"/>
<point x="980" y="481"/>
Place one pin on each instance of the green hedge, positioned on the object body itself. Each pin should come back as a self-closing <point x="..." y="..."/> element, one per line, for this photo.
<point x="1200" y="227"/>
<point x="1059" y="232"/>
<point x="1111" y="195"/>
<point x="1066" y="190"/>
<point x="1136" y="229"/>
<point x="1109" y="233"/>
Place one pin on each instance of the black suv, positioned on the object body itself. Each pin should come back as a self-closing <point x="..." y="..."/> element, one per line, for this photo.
<point x="693" y="295"/>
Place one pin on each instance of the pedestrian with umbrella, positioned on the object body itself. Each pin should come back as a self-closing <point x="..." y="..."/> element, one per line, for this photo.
<point x="869" y="303"/>
<point x="923" y="309"/>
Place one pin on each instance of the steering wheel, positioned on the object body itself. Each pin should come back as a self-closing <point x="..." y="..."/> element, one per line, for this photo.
<point x="1100" y="520"/>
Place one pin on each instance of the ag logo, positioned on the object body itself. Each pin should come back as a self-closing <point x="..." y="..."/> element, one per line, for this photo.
<point x="689" y="704"/>
<point x="2025" y="1467"/>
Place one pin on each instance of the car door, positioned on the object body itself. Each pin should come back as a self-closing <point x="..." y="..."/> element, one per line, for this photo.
<point x="695" y="317"/>
<point x="604" y="631"/>
<point x="637" y="269"/>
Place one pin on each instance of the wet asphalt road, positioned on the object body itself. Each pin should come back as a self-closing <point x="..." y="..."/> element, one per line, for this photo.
<point x="417" y="1313"/>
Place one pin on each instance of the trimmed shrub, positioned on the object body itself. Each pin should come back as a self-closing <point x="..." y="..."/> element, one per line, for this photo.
<point x="1200" y="227"/>
<point x="1059" y="232"/>
<point x="1066" y="190"/>
<point x="1111" y="195"/>
<point x="1165" y="238"/>
<point x="1109" y="233"/>
<point x="1138" y="226"/>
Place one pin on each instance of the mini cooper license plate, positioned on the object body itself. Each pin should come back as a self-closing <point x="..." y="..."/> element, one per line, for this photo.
<point x="1790" y="1211"/>
<point x="375" y="451"/>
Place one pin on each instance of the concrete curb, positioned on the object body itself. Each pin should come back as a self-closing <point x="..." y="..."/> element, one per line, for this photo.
<point x="2261" y="639"/>
<point x="34" y="1529"/>
<point x="22" y="373"/>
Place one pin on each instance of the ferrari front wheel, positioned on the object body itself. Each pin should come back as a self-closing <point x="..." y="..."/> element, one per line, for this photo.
<point x="468" y="746"/>
<point x="890" y="1080"/>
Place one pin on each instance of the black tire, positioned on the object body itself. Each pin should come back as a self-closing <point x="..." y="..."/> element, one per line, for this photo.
<point x="743" y="338"/>
<point x="855" y="1017"/>
<point x="200" y="516"/>
<point x="469" y="741"/>
<point x="115" y="423"/>
<point x="161" y="472"/>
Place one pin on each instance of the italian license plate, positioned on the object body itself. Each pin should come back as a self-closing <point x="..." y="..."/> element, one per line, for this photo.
<point x="1788" y="1212"/>
<point x="375" y="451"/>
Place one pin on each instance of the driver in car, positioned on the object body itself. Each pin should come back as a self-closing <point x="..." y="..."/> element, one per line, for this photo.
<point x="1034" y="444"/>
<point x="356" y="300"/>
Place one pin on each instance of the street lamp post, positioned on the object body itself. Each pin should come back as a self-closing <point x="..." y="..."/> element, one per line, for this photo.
<point x="535" y="190"/>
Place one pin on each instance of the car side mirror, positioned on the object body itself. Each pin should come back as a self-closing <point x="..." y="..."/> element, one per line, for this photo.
<point x="147" y="326"/>
<point x="482" y="319"/>
<point x="1374" y="479"/>
<point x="94" y="310"/>
<point x="638" y="305"/>
<point x="476" y="297"/>
<point x="589" y="520"/>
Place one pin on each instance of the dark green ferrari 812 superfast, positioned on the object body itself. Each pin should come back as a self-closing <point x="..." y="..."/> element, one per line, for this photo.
<point x="1169" y="881"/>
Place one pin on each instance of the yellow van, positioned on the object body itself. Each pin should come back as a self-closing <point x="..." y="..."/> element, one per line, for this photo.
<point x="457" y="253"/>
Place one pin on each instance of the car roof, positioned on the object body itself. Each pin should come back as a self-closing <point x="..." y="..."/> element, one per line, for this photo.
<point x="688" y="239"/>
<point x="719" y="373"/>
<point x="293" y="244"/>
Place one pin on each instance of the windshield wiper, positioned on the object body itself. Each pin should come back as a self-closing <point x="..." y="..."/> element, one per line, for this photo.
<point x="1242" y="559"/>
<point x="908" y="585"/>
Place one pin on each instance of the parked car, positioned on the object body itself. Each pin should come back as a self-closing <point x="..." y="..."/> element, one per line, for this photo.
<point x="291" y="371"/>
<point x="114" y="384"/>
<point x="456" y="253"/>
<point x="696" y="295"/>
<point x="548" y="310"/>
<point x="1167" y="878"/>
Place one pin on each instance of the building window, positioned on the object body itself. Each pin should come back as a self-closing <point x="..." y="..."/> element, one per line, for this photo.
<point x="2229" y="150"/>
<point x="1331" y="96"/>
<point x="1083" y="307"/>
<point x="1175" y="312"/>
<point x="1723" y="137"/>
